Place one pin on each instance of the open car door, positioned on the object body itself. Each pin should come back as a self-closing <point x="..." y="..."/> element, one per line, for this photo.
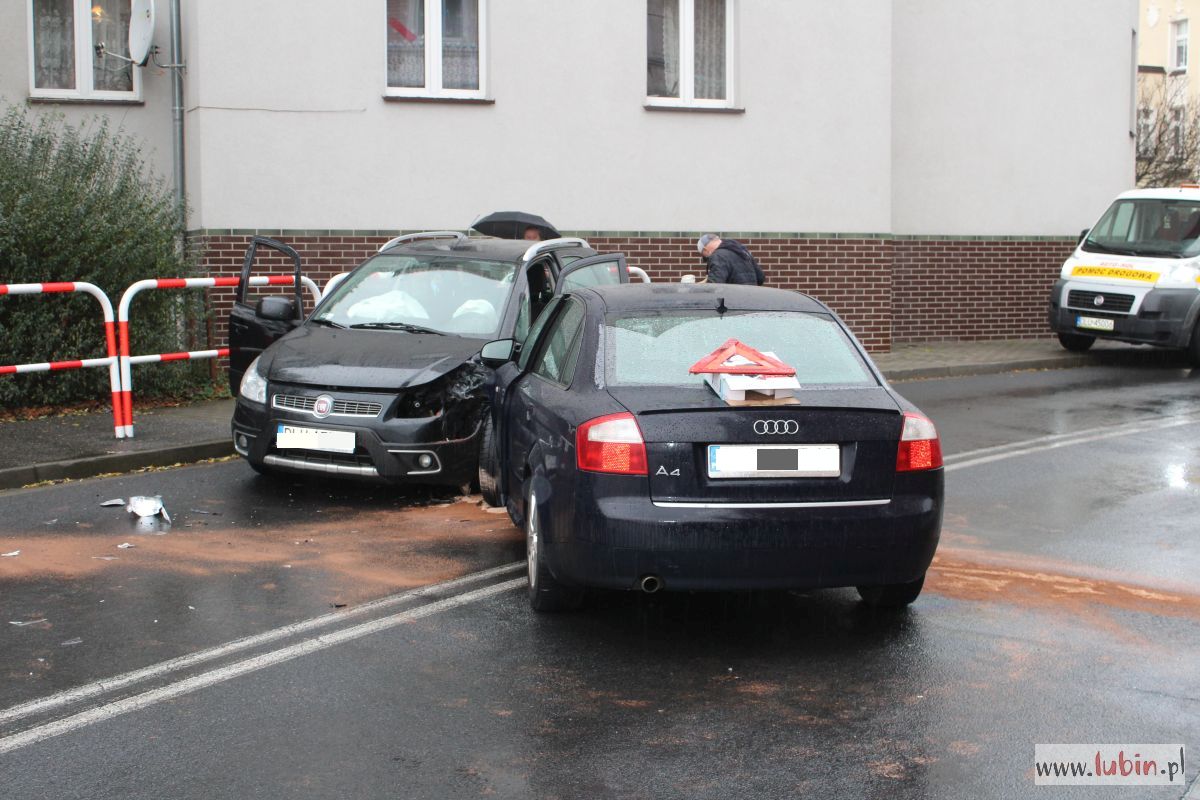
<point x="602" y="270"/>
<point x="254" y="325"/>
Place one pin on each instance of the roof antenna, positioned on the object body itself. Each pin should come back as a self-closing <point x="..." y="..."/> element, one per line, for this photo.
<point x="721" y="309"/>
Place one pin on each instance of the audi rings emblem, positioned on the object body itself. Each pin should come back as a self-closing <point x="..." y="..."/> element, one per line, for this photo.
<point x="776" y="427"/>
<point x="323" y="406"/>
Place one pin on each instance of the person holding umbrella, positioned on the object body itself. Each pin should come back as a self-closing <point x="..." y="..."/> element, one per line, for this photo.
<point x="515" y="225"/>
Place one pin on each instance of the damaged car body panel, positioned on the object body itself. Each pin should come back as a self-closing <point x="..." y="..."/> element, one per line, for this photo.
<point x="384" y="381"/>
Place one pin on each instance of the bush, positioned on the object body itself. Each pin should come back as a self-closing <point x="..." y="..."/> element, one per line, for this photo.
<point x="80" y="204"/>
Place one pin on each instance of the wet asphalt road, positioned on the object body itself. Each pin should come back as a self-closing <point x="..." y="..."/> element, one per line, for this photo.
<point x="1064" y="607"/>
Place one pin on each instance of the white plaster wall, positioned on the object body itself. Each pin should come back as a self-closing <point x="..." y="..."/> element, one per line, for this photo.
<point x="294" y="133"/>
<point x="149" y="122"/>
<point x="1010" y="117"/>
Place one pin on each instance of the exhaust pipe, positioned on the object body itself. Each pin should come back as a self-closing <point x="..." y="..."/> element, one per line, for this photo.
<point x="650" y="584"/>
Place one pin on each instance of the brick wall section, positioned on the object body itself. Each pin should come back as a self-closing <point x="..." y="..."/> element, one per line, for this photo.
<point x="887" y="290"/>
<point x="852" y="276"/>
<point x="959" y="289"/>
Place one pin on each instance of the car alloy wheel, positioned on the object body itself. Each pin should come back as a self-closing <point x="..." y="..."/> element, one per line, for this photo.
<point x="531" y="541"/>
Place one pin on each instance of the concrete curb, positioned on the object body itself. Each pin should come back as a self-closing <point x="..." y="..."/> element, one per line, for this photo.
<point x="16" y="477"/>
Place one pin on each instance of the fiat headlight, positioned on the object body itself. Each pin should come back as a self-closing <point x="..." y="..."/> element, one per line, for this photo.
<point x="254" y="385"/>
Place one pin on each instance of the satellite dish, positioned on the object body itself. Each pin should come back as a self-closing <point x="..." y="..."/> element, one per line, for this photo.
<point x="141" y="31"/>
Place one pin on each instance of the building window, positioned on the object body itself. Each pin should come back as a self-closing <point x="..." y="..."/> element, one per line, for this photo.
<point x="689" y="53"/>
<point x="1145" y="132"/>
<point x="435" y="48"/>
<point x="1179" y="44"/>
<point x="63" y="60"/>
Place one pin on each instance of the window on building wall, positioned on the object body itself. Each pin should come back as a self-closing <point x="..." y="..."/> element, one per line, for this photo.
<point x="1179" y="44"/>
<point x="435" y="48"/>
<point x="1145" y="132"/>
<point x="63" y="58"/>
<point x="1177" y="134"/>
<point x="689" y="53"/>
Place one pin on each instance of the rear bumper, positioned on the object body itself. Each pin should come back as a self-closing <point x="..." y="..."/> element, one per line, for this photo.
<point x="606" y="538"/>
<point x="1164" y="317"/>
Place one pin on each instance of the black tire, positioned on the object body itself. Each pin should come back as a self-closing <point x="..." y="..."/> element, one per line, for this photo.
<point x="545" y="593"/>
<point x="1076" y="342"/>
<point x="260" y="468"/>
<point x="489" y="463"/>
<point x="1193" y="348"/>
<point x="892" y="595"/>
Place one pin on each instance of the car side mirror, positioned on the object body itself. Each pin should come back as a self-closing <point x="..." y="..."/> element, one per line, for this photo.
<point x="1083" y="235"/>
<point x="272" y="307"/>
<point x="498" y="353"/>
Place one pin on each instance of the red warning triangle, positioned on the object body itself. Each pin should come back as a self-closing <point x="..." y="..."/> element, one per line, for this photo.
<point x="760" y="363"/>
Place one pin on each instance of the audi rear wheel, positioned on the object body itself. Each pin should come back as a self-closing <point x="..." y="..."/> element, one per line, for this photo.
<point x="545" y="593"/>
<point x="892" y="595"/>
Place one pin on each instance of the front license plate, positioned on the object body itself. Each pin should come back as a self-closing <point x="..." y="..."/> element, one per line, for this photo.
<point x="774" y="461"/>
<point x="289" y="437"/>
<point x="1094" y="323"/>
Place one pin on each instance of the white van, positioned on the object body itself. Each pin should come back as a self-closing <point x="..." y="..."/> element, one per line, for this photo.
<point x="1135" y="275"/>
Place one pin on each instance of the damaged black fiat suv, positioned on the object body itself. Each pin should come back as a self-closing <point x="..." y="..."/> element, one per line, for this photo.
<point x="383" y="381"/>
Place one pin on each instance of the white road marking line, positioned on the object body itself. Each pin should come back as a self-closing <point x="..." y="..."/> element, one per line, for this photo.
<point x="1138" y="424"/>
<point x="253" y="664"/>
<point x="974" y="462"/>
<point x="107" y="685"/>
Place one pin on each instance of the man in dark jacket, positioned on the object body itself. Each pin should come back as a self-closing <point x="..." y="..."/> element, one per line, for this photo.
<point x="729" y="261"/>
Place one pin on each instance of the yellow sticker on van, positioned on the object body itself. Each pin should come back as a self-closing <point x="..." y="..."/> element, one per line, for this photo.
<point x="1125" y="273"/>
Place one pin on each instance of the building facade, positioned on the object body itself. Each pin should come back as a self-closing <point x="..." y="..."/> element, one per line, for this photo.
<point x="919" y="165"/>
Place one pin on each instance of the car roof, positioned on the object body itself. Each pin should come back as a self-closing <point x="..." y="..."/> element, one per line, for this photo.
<point x="1164" y="193"/>
<point x="659" y="296"/>
<point x="486" y="247"/>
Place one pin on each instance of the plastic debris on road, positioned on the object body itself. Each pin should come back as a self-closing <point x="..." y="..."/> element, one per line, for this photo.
<point x="148" y="507"/>
<point x="23" y="623"/>
<point x="13" y="554"/>
<point x="125" y="546"/>
<point x="116" y="501"/>
<point x="104" y="558"/>
<point x="72" y="642"/>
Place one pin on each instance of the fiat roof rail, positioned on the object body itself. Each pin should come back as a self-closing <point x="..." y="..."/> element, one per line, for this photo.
<point x="553" y="244"/>
<point x="412" y="237"/>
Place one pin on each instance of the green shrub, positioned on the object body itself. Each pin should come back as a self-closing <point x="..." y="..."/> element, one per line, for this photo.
<point x="81" y="204"/>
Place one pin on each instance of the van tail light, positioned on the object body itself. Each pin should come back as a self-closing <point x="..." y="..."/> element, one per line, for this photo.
<point x="612" y="444"/>
<point x="920" y="447"/>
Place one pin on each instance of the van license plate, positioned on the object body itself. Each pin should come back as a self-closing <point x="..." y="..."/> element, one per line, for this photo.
<point x="288" y="437"/>
<point x="774" y="461"/>
<point x="1094" y="323"/>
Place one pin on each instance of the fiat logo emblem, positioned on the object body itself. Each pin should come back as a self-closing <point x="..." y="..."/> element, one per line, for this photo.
<point x="776" y="427"/>
<point x="323" y="407"/>
<point x="1099" y="300"/>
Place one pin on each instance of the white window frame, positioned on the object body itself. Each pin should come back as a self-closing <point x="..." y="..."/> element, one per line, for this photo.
<point x="85" y="75"/>
<point x="1174" y="44"/>
<point x="433" y="58"/>
<point x="687" y="61"/>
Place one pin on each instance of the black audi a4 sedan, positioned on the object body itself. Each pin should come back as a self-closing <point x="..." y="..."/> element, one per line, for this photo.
<point x="383" y="379"/>
<point x="627" y="471"/>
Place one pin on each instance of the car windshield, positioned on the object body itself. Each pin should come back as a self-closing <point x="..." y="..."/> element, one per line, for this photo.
<point x="422" y="294"/>
<point x="658" y="348"/>
<point x="1147" y="227"/>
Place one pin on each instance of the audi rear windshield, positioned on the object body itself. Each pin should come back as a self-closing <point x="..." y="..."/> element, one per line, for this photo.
<point x="658" y="348"/>
<point x="1162" y="228"/>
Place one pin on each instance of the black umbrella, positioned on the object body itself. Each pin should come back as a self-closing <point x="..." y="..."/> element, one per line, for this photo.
<point x="512" y="225"/>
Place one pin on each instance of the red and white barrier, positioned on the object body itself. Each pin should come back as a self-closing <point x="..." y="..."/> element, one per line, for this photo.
<point x="125" y="420"/>
<point x="110" y="339"/>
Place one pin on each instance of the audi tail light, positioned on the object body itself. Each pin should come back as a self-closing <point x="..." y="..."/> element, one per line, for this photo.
<point x="920" y="447"/>
<point x="611" y="444"/>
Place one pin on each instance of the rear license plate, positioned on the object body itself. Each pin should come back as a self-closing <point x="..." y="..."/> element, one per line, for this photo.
<point x="1094" y="323"/>
<point x="774" y="461"/>
<point x="289" y="437"/>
